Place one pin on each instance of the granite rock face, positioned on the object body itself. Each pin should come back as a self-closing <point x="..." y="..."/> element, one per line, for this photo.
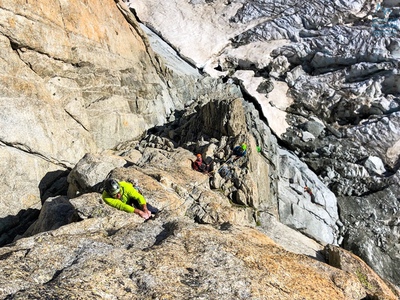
<point x="76" y="78"/>
<point x="373" y="233"/>
<point x="112" y="254"/>
<point x="89" y="93"/>
<point x="324" y="76"/>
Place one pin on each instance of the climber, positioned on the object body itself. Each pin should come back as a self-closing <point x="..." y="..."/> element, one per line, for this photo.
<point x="123" y="196"/>
<point x="309" y="191"/>
<point x="238" y="152"/>
<point x="201" y="166"/>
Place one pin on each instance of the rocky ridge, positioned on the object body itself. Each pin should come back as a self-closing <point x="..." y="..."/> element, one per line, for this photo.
<point x="155" y="111"/>
<point x="194" y="248"/>
<point x="325" y="78"/>
<point x="162" y="260"/>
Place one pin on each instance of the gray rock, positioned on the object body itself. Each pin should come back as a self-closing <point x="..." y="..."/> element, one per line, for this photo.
<point x="375" y="165"/>
<point x="55" y="213"/>
<point x="371" y="233"/>
<point x="90" y="172"/>
<point x="314" y="127"/>
<point x="296" y="209"/>
<point x="307" y="136"/>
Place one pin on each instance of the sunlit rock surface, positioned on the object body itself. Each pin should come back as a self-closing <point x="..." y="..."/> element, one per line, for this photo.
<point x="324" y="75"/>
<point x="88" y="93"/>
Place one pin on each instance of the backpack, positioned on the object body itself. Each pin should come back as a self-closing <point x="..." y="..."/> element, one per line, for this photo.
<point x="224" y="172"/>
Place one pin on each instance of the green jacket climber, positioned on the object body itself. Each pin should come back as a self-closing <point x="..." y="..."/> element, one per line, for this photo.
<point x="123" y="196"/>
<point x="238" y="152"/>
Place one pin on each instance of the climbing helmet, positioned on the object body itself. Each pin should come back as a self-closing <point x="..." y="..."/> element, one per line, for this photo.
<point x="112" y="187"/>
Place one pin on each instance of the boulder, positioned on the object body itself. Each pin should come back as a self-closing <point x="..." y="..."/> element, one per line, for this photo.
<point x="375" y="165"/>
<point x="89" y="173"/>
<point x="375" y="287"/>
<point x="55" y="213"/>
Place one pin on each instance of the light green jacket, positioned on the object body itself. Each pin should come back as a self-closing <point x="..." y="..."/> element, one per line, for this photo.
<point x="128" y="194"/>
